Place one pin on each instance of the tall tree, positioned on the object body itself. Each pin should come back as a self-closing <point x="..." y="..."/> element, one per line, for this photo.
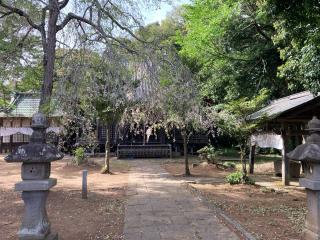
<point x="298" y="38"/>
<point x="18" y="54"/>
<point x="97" y="87"/>
<point x="228" y="45"/>
<point x="232" y="118"/>
<point x="181" y="106"/>
<point x="65" y="21"/>
<point x="111" y="92"/>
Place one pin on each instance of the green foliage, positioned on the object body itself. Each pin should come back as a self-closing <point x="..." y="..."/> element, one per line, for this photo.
<point x="19" y="47"/>
<point x="209" y="153"/>
<point x="238" y="178"/>
<point x="298" y="38"/>
<point x="79" y="155"/>
<point x="231" y="165"/>
<point x="228" y="45"/>
<point x="232" y="117"/>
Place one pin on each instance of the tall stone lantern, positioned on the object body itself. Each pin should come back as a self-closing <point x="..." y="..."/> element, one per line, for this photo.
<point x="36" y="158"/>
<point x="309" y="155"/>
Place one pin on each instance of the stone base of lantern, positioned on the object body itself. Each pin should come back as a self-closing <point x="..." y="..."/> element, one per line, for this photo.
<point x="52" y="236"/>
<point x="35" y="224"/>
<point x="312" y="231"/>
<point x="309" y="235"/>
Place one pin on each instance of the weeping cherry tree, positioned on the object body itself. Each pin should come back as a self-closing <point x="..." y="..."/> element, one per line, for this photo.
<point x="65" y="23"/>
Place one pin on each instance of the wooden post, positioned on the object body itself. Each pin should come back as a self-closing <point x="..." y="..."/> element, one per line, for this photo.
<point x="251" y="158"/>
<point x="1" y="144"/>
<point x="285" y="161"/>
<point x="84" y="184"/>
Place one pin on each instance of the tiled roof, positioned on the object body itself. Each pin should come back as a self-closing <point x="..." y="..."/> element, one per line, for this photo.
<point x="25" y="105"/>
<point x="279" y="106"/>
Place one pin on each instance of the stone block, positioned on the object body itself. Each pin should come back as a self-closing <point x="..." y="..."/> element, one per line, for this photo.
<point x="35" y="171"/>
<point x="35" y="224"/>
<point x="35" y="185"/>
<point x="310" y="184"/>
<point x="52" y="236"/>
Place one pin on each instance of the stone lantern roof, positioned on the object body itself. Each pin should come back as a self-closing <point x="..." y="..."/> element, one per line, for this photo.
<point x="310" y="151"/>
<point x="37" y="151"/>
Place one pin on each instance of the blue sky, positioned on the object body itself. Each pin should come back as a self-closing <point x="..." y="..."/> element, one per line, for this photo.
<point x="156" y="15"/>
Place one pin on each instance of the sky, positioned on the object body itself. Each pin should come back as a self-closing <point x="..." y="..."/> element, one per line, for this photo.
<point x="157" y="15"/>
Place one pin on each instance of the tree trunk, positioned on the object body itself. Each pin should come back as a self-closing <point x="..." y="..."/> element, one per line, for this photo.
<point x="185" y="152"/>
<point x="49" y="49"/>
<point x="144" y="134"/>
<point x="243" y="160"/>
<point x="107" y="151"/>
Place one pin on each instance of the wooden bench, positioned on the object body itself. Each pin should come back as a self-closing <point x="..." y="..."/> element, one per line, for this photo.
<point x="144" y="151"/>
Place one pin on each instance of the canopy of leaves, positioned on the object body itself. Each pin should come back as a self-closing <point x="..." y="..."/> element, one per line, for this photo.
<point x="298" y="38"/>
<point x="229" y="46"/>
<point x="19" y="54"/>
<point x="232" y="117"/>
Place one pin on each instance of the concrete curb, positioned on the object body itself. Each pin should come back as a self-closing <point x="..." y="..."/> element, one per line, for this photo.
<point x="235" y="224"/>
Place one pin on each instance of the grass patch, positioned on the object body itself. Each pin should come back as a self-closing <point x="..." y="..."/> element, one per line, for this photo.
<point x="259" y="158"/>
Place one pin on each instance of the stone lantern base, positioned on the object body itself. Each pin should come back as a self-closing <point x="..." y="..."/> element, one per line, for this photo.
<point x="312" y="231"/>
<point x="35" y="224"/>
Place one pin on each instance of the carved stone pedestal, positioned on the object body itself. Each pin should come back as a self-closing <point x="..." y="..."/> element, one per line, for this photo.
<point x="312" y="231"/>
<point x="35" y="224"/>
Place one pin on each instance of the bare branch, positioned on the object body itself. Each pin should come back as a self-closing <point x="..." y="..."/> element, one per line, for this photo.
<point x="124" y="13"/>
<point x="4" y="14"/>
<point x="43" y="2"/>
<point x="20" y="44"/>
<point x="63" y="4"/>
<point x="114" y="20"/>
<point x="20" y="13"/>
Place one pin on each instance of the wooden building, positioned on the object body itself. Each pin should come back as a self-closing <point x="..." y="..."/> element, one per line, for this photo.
<point x="15" y="129"/>
<point x="15" y="123"/>
<point x="125" y="136"/>
<point x="286" y="120"/>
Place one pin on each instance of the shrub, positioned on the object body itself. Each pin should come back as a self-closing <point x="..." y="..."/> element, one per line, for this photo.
<point x="209" y="153"/>
<point x="231" y="165"/>
<point x="79" y="155"/>
<point x="238" y="178"/>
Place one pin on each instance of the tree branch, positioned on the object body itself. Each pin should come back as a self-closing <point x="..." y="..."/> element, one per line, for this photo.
<point x="63" y="4"/>
<point x="20" y="44"/>
<point x="261" y="32"/>
<point x="20" y="13"/>
<point x="100" y="8"/>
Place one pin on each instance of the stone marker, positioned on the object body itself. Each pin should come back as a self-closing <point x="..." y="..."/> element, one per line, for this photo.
<point x="309" y="155"/>
<point x="36" y="158"/>
<point x="84" y="184"/>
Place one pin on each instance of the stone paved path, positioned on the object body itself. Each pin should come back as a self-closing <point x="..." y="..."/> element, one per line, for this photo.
<point x="159" y="208"/>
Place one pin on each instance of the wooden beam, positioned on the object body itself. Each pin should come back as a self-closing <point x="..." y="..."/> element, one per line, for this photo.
<point x="251" y="158"/>
<point x="292" y="120"/>
<point x="285" y="160"/>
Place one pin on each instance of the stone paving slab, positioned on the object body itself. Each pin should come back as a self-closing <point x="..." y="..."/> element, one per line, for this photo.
<point x="159" y="208"/>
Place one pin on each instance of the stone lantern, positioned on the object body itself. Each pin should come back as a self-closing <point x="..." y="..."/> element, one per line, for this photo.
<point x="36" y="158"/>
<point x="309" y="155"/>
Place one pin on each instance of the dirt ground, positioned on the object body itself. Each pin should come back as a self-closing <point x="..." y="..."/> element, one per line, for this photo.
<point x="101" y="216"/>
<point x="266" y="213"/>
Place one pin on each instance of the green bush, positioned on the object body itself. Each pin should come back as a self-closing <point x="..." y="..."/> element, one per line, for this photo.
<point x="209" y="153"/>
<point x="229" y="165"/>
<point x="79" y="155"/>
<point x="238" y="178"/>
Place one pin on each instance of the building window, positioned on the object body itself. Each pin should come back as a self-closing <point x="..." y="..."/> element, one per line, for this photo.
<point x="26" y="138"/>
<point x="6" y="139"/>
<point x="103" y="132"/>
<point x="18" y="137"/>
